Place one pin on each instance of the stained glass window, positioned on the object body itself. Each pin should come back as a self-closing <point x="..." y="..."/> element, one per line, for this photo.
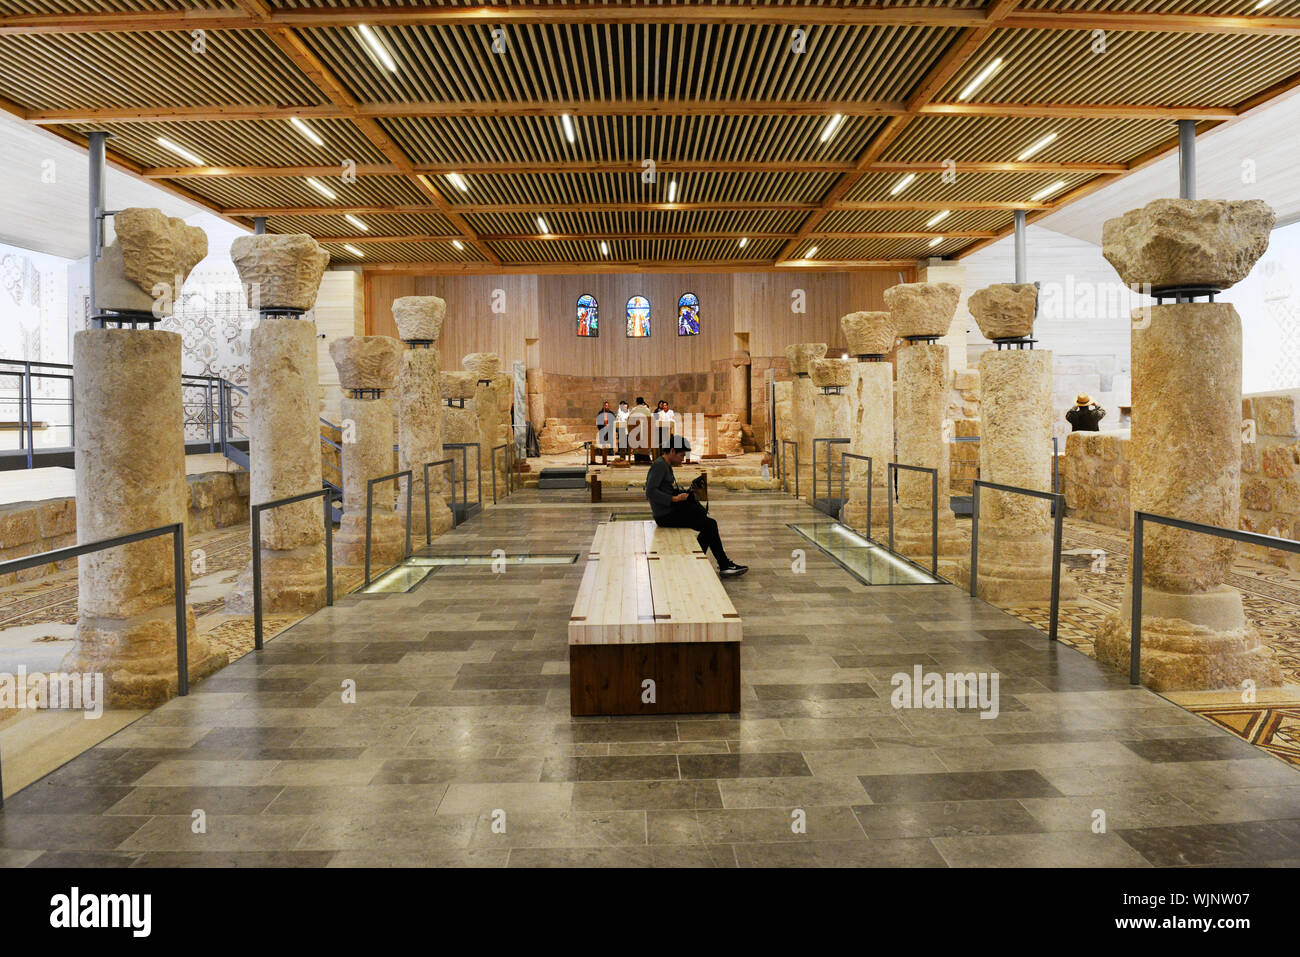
<point x="638" y="317"/>
<point x="688" y="315"/>
<point x="588" y="316"/>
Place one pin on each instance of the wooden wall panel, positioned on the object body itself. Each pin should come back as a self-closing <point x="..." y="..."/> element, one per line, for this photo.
<point x="543" y="307"/>
<point x="471" y="325"/>
<point x="612" y="353"/>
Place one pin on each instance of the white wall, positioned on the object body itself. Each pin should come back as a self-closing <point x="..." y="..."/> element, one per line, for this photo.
<point x="1268" y="301"/>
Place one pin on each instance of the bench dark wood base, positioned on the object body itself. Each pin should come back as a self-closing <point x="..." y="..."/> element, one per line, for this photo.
<point x="690" y="678"/>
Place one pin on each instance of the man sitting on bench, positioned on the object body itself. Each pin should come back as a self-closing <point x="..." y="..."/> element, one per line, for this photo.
<point x="675" y="507"/>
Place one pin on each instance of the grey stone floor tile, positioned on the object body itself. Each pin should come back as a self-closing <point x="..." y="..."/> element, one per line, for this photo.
<point x="956" y="786"/>
<point x="596" y="796"/>
<point x="1057" y="849"/>
<point x="945" y="819"/>
<point x="1237" y="843"/>
<point x="917" y="852"/>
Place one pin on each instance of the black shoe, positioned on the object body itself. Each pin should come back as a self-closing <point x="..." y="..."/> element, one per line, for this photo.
<point x="733" y="570"/>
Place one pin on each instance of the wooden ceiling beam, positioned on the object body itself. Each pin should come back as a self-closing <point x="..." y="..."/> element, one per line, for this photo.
<point x="530" y="208"/>
<point x="586" y="268"/>
<point x="595" y="236"/>
<point x="217" y="112"/>
<point x="593" y="11"/>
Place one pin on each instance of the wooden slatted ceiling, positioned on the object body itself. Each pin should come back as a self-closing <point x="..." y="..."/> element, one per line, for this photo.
<point x="608" y="61"/>
<point x="736" y="92"/>
<point x="630" y="138"/>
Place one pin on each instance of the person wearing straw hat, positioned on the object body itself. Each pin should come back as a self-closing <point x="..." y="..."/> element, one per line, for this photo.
<point x="1085" y="415"/>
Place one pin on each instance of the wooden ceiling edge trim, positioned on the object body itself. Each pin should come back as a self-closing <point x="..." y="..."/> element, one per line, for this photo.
<point x="739" y="13"/>
<point x="663" y="237"/>
<point x="579" y="268"/>
<point x="131" y="168"/>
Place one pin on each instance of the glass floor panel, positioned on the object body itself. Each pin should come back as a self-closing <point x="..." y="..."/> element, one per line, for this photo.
<point x="414" y="570"/>
<point x="862" y="558"/>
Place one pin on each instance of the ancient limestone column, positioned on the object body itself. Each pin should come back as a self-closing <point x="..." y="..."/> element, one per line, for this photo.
<point x="460" y="425"/>
<point x="131" y="469"/>
<point x="493" y="398"/>
<point x="801" y="410"/>
<point x="368" y="369"/>
<point x="1015" y="542"/>
<point x="871" y="411"/>
<point x="1186" y="444"/>
<point x="739" y="384"/>
<point x="281" y="275"/>
<point x="923" y="311"/>
<point x="419" y="413"/>
<point x="832" y="418"/>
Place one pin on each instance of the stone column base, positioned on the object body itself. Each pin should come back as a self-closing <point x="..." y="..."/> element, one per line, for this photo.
<point x="1017" y="571"/>
<point x="293" y="582"/>
<point x="387" y="540"/>
<point x="439" y="513"/>
<point x="137" y="656"/>
<point x="854" y="514"/>
<point x="912" y="538"/>
<point x="1218" y="649"/>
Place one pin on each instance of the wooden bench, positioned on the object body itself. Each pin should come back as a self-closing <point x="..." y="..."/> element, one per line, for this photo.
<point x="651" y="608"/>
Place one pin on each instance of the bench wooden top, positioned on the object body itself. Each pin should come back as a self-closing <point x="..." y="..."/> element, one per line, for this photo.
<point x="645" y="585"/>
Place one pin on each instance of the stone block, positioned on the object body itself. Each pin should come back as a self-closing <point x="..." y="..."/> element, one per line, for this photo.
<point x="1277" y="415"/>
<point x="923" y="308"/>
<point x="1278" y="462"/>
<point x="1249" y="458"/>
<point x="367" y="362"/>
<point x="1257" y="495"/>
<point x="482" y="365"/>
<point x="1180" y="242"/>
<point x="828" y="373"/>
<point x="19" y="524"/>
<point x="869" y="333"/>
<point x="801" y="353"/>
<point x="151" y="251"/>
<point x="58" y="517"/>
<point x="1004" y="310"/>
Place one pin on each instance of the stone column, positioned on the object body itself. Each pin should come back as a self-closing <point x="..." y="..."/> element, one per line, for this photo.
<point x="923" y="311"/>
<point x="131" y="469"/>
<point x="871" y="410"/>
<point x="832" y="418"/>
<point x="739" y="385"/>
<point x="281" y="274"/>
<point x="368" y="367"/>
<point x="801" y="410"/>
<point x="1186" y="443"/>
<point x="419" y="413"/>
<point x="493" y="397"/>
<point x="1015" y="561"/>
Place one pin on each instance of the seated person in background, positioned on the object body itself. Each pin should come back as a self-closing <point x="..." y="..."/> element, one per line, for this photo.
<point x="675" y="507"/>
<point x="638" y="428"/>
<point x="1085" y="415"/>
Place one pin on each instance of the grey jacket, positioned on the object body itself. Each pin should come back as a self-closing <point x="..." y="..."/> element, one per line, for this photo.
<point x="660" y="487"/>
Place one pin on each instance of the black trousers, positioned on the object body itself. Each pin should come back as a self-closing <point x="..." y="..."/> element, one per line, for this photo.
<point x="691" y="514"/>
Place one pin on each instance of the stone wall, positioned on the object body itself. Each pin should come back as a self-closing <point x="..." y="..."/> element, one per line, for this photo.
<point x="1270" y="467"/>
<point x="216" y="500"/>
<point x="758" y="411"/>
<point x="1094" y="477"/>
<point x="964" y="411"/>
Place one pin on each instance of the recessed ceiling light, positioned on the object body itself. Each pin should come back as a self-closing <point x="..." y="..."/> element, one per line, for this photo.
<point x="458" y="244"/>
<point x="354" y="251"/>
<point x="458" y="181"/>
<point x="1035" y="146"/>
<point x="321" y="188"/>
<point x="569" y="133"/>
<point x="377" y="49"/>
<point x="179" y="150"/>
<point x="541" y="225"/>
<point x="938" y="217"/>
<point x="672" y="190"/>
<point x="356" y="222"/>
<point x="1262" y="4"/>
<point x="980" y="79"/>
<point x="936" y="241"/>
<point x="744" y="241"/>
<point x="902" y="184"/>
<point x="306" y="131"/>
<point x="1047" y="191"/>
<point x="831" y="126"/>
<point x="810" y="253"/>
<point x="604" y="248"/>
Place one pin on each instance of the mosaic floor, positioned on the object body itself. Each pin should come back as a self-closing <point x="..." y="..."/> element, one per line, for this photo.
<point x="459" y="749"/>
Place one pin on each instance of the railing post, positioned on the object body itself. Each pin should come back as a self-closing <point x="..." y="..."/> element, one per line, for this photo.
<point x="870" y="482"/>
<point x="453" y="493"/>
<point x="1135" y="606"/>
<point x="329" y="548"/>
<point x="182" y="637"/>
<point x="428" y="532"/>
<point x="974" y="535"/>
<point x="255" y="522"/>
<point x="1058" y="529"/>
<point x="27" y="399"/>
<point x="890" y="470"/>
<point x="398" y="482"/>
<point x="934" y="523"/>
<point x="370" y="488"/>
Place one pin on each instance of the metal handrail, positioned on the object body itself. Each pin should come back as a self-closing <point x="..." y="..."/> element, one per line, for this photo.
<point x="428" y="532"/>
<point x="1135" y="609"/>
<point x="255" y="530"/>
<point x="891" y="468"/>
<point x="870" y="474"/>
<point x="492" y="466"/>
<point x="785" y="473"/>
<point x="370" y="494"/>
<point x="478" y="468"/>
<point x="1058" y="501"/>
<point x="829" y="442"/>
<point x="177" y="532"/>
